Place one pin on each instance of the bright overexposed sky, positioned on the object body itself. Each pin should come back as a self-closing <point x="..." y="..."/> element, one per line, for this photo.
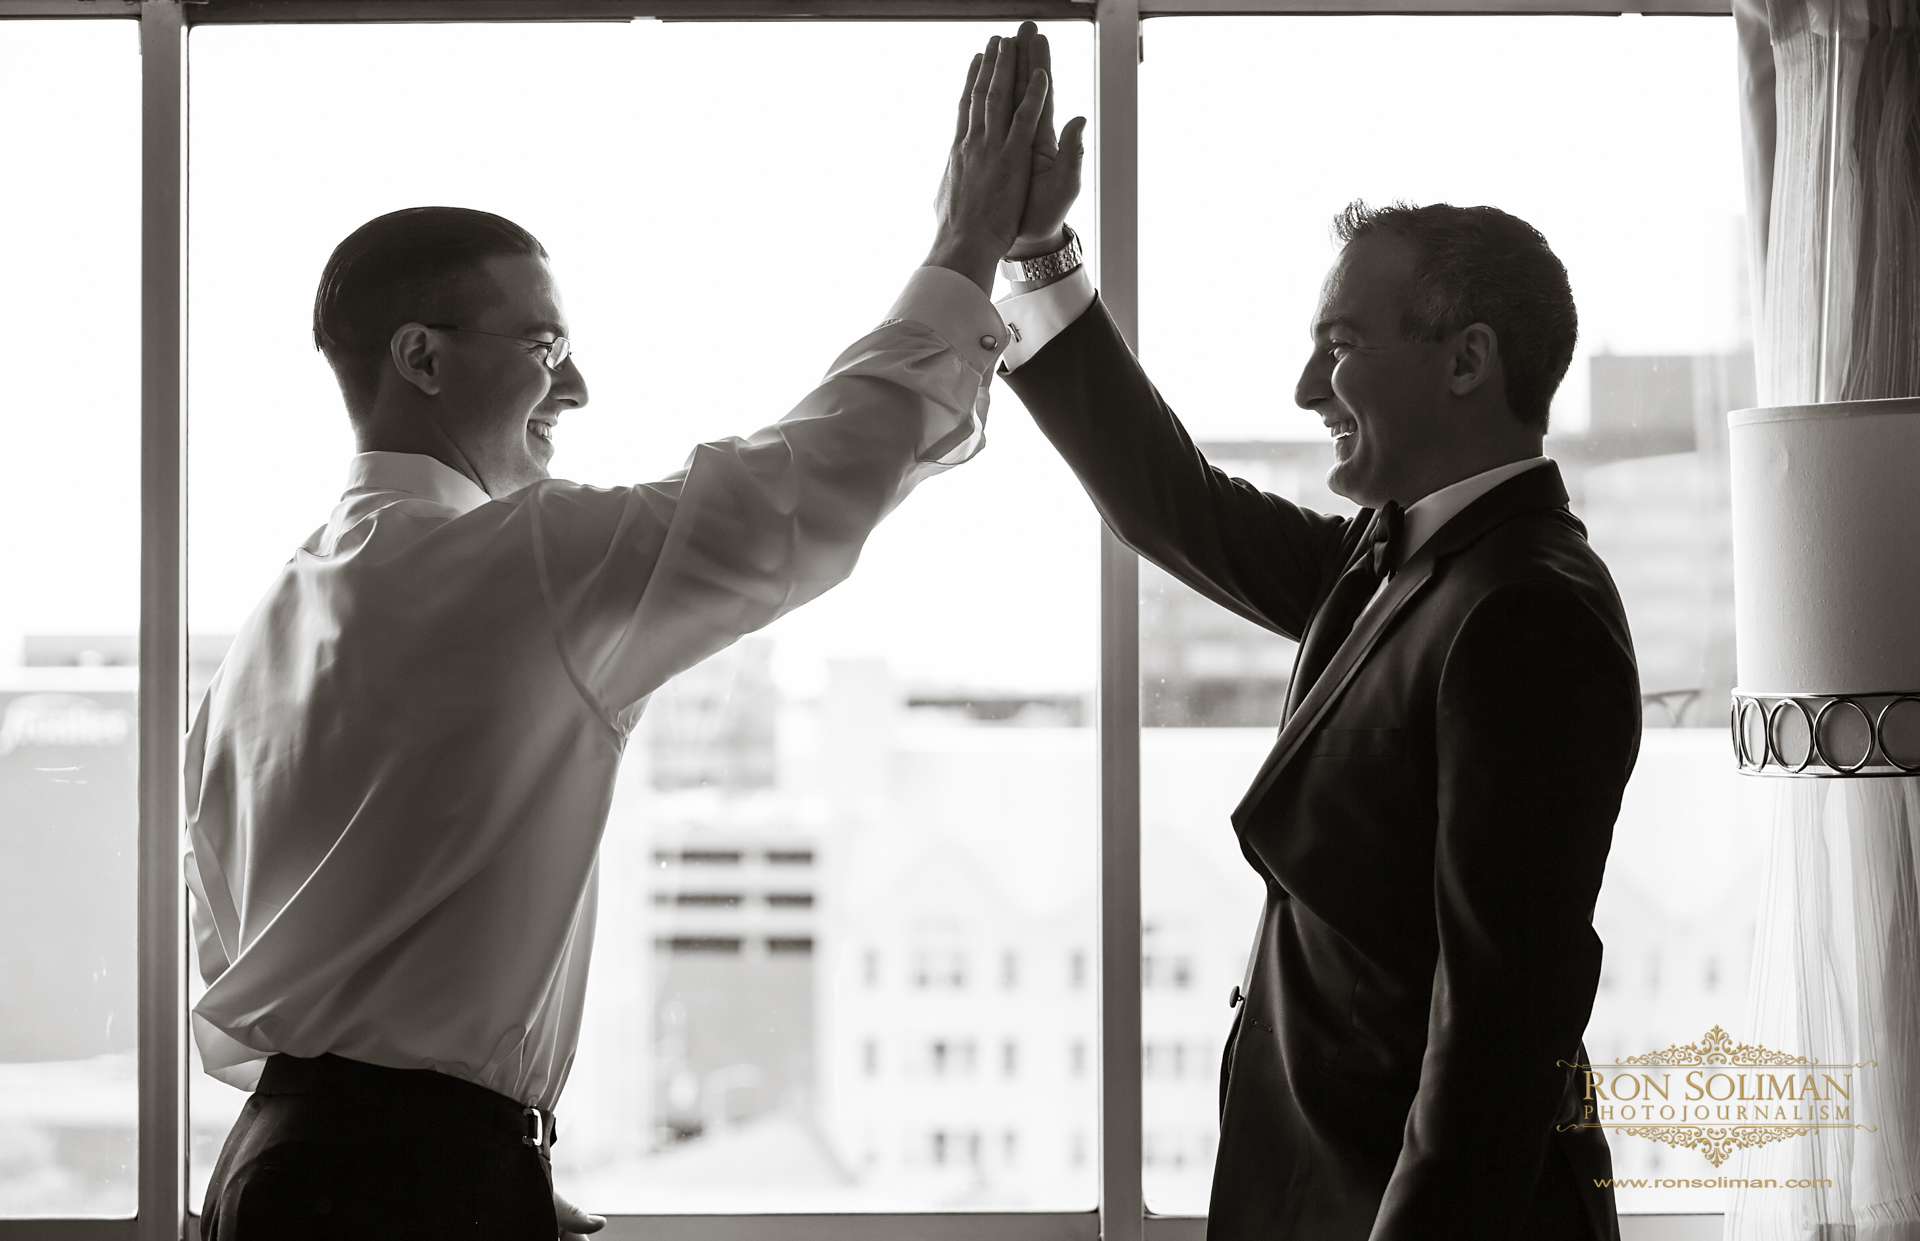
<point x="729" y="205"/>
<point x="70" y="323"/>
<point x="1617" y="137"/>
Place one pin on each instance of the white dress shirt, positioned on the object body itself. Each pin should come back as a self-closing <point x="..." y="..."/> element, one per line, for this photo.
<point x="1037" y="317"/>
<point x="398" y="779"/>
<point x="1424" y="517"/>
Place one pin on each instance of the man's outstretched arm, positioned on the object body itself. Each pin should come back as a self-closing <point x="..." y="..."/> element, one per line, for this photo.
<point x="1256" y="554"/>
<point x="647" y="581"/>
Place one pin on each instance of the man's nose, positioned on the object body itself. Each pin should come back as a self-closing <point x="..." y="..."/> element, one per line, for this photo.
<point x="1315" y="386"/>
<point x="569" y="385"/>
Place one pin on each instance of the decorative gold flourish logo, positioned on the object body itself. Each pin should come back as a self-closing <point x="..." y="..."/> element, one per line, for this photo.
<point x="1717" y="1106"/>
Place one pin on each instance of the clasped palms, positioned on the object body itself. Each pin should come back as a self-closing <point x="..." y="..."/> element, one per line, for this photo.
<point x="1054" y="181"/>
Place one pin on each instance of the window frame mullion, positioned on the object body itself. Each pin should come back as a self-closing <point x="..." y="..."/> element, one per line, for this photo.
<point x="161" y="911"/>
<point x="1117" y="113"/>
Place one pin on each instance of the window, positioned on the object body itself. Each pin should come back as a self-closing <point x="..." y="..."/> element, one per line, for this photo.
<point x="69" y="610"/>
<point x="1236" y="138"/>
<point x="881" y="767"/>
<point x="870" y="831"/>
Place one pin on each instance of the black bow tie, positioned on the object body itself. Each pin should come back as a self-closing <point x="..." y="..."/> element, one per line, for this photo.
<point x="1385" y="536"/>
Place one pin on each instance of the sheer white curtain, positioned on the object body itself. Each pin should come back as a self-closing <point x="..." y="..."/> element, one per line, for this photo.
<point x="1835" y="971"/>
<point x="1831" y="96"/>
<point x="1831" y="111"/>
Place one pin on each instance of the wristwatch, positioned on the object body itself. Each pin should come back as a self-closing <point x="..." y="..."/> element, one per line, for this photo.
<point x="1044" y="266"/>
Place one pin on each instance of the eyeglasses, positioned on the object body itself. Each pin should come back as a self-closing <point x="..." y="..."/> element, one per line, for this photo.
<point x="557" y="350"/>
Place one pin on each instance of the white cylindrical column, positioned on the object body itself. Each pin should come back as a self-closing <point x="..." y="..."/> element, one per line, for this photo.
<point x="1826" y="553"/>
<point x="1826" y="547"/>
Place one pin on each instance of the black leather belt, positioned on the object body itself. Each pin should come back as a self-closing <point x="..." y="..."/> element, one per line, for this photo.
<point x="417" y="1095"/>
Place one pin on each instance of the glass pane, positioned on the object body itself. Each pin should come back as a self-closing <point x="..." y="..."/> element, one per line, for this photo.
<point x="846" y="915"/>
<point x="1618" y="138"/>
<point x="69" y="613"/>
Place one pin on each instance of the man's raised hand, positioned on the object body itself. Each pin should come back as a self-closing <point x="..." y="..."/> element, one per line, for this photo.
<point x="1055" y="181"/>
<point x="983" y="196"/>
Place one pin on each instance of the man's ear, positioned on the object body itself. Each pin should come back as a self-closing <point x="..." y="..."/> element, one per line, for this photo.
<point x="1476" y="358"/>
<point x="415" y="350"/>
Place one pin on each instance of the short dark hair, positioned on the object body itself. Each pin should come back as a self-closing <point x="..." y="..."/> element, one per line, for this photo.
<point x="1481" y="265"/>
<point x="417" y="265"/>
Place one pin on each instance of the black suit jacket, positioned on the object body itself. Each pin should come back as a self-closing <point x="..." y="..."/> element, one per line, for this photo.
<point x="1431" y="827"/>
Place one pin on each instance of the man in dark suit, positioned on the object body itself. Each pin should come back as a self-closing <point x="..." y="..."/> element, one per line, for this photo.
<point x="1433" y="822"/>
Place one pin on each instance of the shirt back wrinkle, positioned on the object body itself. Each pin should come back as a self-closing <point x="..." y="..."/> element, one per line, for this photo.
<point x="533" y="506"/>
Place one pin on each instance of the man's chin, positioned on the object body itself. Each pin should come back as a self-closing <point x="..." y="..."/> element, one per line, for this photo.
<point x="1344" y="481"/>
<point x="514" y="476"/>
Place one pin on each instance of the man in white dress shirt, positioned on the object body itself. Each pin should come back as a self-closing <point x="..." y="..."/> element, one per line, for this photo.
<point x="1432" y="825"/>
<point x="398" y="779"/>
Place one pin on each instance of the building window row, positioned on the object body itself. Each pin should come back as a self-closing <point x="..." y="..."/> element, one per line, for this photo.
<point x="732" y="857"/>
<point x="1175" y="1058"/>
<point x="1166" y="971"/>
<point x="733" y="900"/>
<point x="734" y="945"/>
<point x="933" y="969"/>
<point x="961" y="1057"/>
<point x="1177" y="1149"/>
<point x="967" y="1147"/>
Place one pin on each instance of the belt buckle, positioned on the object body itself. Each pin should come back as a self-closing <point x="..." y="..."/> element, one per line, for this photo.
<point x="539" y="1129"/>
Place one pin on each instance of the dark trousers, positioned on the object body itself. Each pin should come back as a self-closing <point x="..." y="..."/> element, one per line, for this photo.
<point x="333" y="1148"/>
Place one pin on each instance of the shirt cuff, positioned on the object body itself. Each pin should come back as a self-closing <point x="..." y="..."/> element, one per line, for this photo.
<point x="1037" y="317"/>
<point x="957" y="311"/>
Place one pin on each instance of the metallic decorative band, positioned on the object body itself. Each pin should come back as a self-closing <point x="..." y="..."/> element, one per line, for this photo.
<point x="1827" y="735"/>
<point x="1044" y="266"/>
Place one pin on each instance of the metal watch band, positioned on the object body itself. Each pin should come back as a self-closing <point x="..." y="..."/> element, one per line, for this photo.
<point x="1045" y="266"/>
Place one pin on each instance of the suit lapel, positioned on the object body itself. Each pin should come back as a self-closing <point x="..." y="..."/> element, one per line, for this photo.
<point x="1322" y="615"/>
<point x="1359" y="644"/>
<point x="1536" y="489"/>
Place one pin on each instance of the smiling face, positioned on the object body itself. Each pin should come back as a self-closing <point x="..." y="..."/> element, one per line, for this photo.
<point x="496" y="401"/>
<point x="1385" y="400"/>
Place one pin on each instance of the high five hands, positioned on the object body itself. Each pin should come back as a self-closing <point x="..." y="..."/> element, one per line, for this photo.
<point x="1054" y="183"/>
<point x="1008" y="181"/>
